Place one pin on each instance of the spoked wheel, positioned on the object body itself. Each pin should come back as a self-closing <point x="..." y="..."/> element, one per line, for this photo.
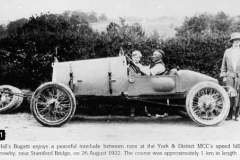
<point x="207" y="104"/>
<point x="8" y="101"/>
<point x="53" y="104"/>
<point x="19" y="97"/>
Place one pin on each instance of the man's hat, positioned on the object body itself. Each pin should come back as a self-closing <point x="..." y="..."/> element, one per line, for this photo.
<point x="234" y="36"/>
<point x="160" y="51"/>
<point x="136" y="53"/>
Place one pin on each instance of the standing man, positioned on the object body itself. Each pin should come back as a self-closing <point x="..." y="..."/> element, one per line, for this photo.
<point x="230" y="72"/>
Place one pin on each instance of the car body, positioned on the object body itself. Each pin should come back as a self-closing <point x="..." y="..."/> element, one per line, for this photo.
<point x="54" y="103"/>
<point x="109" y="77"/>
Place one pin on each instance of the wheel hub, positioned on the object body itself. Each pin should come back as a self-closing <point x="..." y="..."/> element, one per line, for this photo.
<point x="52" y="104"/>
<point x="3" y="98"/>
<point x="206" y="103"/>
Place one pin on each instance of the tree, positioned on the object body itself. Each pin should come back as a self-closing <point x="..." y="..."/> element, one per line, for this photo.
<point x="103" y="17"/>
<point x="93" y="17"/>
<point x="80" y="16"/>
<point x="66" y="14"/>
<point x="236" y="24"/>
<point x="221" y="23"/>
<point x="3" y="31"/>
<point x="197" y="24"/>
<point x="204" y="24"/>
<point x="130" y="37"/>
<point x="14" y="25"/>
<point x="155" y="35"/>
<point x="32" y="47"/>
<point x="26" y="55"/>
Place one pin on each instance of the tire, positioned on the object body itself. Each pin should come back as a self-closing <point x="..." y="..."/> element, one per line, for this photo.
<point x="8" y="101"/>
<point x="19" y="98"/>
<point x="53" y="104"/>
<point x="207" y="104"/>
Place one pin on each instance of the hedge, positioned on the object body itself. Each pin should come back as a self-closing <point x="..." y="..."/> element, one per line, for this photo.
<point x="27" y="55"/>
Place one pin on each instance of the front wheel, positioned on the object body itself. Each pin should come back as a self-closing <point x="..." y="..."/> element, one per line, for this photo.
<point x="207" y="104"/>
<point x="53" y="104"/>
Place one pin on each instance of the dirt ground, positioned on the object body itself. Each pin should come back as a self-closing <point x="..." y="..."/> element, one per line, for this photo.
<point x="23" y="127"/>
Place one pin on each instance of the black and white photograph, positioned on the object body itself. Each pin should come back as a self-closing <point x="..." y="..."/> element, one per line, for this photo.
<point x="119" y="79"/>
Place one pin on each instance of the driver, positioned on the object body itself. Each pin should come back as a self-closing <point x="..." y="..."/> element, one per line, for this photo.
<point x="157" y="67"/>
<point x="136" y="57"/>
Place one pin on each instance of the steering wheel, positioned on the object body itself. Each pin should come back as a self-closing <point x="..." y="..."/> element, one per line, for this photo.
<point x="132" y="64"/>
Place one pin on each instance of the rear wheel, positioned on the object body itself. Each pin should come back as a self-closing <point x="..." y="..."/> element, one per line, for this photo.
<point x="53" y="104"/>
<point x="207" y="104"/>
<point x="19" y="97"/>
<point x="8" y="100"/>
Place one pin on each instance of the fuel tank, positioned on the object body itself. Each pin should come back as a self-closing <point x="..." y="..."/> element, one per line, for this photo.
<point x="100" y="77"/>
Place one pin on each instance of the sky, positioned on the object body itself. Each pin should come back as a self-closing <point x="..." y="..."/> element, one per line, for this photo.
<point x="15" y="9"/>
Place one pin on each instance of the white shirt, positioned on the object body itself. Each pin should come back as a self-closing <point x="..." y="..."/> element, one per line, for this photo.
<point x="157" y="69"/>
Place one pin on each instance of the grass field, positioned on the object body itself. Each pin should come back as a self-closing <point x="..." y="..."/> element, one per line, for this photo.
<point x="165" y="27"/>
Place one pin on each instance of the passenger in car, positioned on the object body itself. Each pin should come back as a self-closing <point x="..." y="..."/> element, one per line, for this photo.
<point x="157" y="67"/>
<point x="136" y="57"/>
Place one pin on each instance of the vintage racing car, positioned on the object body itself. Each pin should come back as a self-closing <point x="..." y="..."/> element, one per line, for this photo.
<point x="54" y="103"/>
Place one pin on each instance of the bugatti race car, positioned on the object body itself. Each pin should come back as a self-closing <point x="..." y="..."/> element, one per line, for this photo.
<point x="54" y="103"/>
